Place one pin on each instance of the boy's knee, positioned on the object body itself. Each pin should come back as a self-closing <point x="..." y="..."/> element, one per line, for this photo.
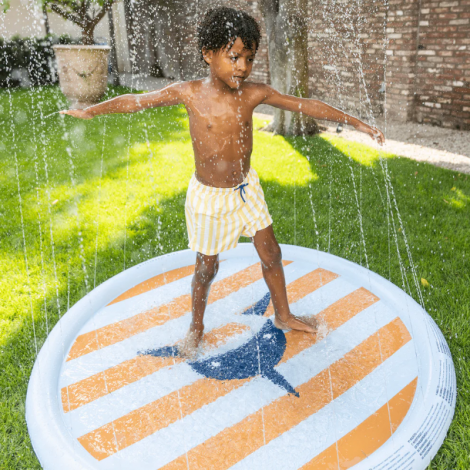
<point x="205" y="275"/>
<point x="272" y="255"/>
<point x="206" y="271"/>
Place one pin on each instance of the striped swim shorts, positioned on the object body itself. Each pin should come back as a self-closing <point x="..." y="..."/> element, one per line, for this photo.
<point x="217" y="217"/>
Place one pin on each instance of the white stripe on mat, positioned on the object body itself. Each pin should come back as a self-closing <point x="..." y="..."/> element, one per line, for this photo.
<point x="170" y="332"/>
<point x="122" y="401"/>
<point x="156" y="297"/>
<point x="230" y="409"/>
<point x="322" y="429"/>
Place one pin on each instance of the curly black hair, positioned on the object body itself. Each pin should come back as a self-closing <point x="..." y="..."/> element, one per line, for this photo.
<point x="221" y="26"/>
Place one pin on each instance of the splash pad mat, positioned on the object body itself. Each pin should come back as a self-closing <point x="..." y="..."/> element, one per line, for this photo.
<point x="376" y="392"/>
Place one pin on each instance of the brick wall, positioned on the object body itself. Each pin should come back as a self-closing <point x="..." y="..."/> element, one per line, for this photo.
<point x="442" y="83"/>
<point x="346" y="54"/>
<point x="401" y="35"/>
<point x="416" y="50"/>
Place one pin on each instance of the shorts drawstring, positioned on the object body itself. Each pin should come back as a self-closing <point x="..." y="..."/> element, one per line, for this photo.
<point x="216" y="217"/>
<point x="241" y="187"/>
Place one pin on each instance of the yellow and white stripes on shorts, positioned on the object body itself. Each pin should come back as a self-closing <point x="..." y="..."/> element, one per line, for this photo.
<point x="217" y="217"/>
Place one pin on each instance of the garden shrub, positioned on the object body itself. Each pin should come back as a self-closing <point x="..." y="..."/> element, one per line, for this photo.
<point x="32" y="54"/>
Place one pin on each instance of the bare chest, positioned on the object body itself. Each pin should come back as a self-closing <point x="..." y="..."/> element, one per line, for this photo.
<point x="211" y="118"/>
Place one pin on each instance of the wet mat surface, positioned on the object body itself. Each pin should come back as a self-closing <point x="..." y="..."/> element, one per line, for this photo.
<point x="375" y="388"/>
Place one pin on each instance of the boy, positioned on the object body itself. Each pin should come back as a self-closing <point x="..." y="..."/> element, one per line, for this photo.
<point x="225" y="199"/>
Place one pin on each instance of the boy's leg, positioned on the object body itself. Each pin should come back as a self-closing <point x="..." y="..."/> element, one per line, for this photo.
<point x="269" y="252"/>
<point x="204" y="273"/>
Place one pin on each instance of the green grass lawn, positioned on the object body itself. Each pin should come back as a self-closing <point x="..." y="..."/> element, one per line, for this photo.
<point x="83" y="200"/>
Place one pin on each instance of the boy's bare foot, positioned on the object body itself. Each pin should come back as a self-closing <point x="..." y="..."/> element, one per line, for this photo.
<point x="188" y="347"/>
<point x="296" y="323"/>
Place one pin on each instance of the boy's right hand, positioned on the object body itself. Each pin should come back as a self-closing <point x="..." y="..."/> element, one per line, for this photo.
<point x="78" y="113"/>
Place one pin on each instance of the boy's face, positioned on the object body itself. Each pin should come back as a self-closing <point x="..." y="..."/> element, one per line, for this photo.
<point x="233" y="65"/>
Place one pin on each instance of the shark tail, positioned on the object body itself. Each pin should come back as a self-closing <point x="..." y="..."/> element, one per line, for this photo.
<point x="276" y="378"/>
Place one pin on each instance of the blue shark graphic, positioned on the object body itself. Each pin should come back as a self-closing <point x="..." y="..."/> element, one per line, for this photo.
<point x="258" y="356"/>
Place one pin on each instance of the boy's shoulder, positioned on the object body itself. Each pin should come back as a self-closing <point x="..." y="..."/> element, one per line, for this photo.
<point x="191" y="88"/>
<point x="187" y="88"/>
<point x="258" y="91"/>
<point x="196" y="85"/>
<point x="182" y="86"/>
<point x="257" y="86"/>
<point x="190" y="85"/>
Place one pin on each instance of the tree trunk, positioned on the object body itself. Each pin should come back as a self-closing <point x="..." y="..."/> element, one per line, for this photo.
<point x="170" y="24"/>
<point x="288" y="61"/>
<point x="113" y="55"/>
<point x="88" y="34"/>
<point x="46" y="19"/>
<point x="137" y="33"/>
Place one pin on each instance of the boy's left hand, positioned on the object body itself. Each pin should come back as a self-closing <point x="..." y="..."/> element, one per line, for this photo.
<point x="375" y="133"/>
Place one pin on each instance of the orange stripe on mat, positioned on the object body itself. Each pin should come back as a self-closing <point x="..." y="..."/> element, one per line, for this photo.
<point x="305" y="285"/>
<point x="142" y="422"/>
<point x="237" y="442"/>
<point x="98" y="385"/>
<point x="114" y="378"/>
<point x="366" y="438"/>
<point x="333" y="316"/>
<point x="100" y="443"/>
<point x="119" y="331"/>
<point x="154" y="282"/>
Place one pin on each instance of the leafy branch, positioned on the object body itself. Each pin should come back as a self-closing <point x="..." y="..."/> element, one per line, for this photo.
<point x="86" y="14"/>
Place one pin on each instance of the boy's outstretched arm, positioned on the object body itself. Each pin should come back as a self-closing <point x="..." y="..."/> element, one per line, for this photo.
<point x="318" y="110"/>
<point x="168" y="96"/>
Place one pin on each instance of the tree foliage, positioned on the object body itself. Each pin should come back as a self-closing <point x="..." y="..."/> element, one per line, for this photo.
<point x="35" y="55"/>
<point x="86" y="14"/>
